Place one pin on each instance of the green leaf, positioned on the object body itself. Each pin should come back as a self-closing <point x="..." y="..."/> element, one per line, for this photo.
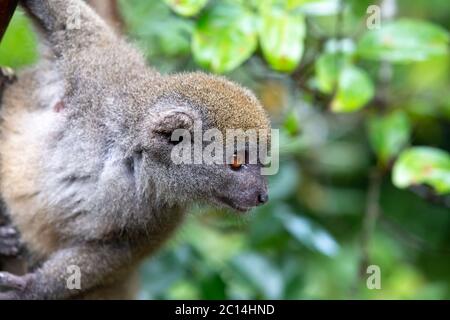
<point x="308" y="233"/>
<point x="404" y="40"/>
<point x="355" y="89"/>
<point x="164" y="271"/>
<point x="224" y="38"/>
<point x="213" y="287"/>
<point x="146" y="19"/>
<point x="319" y="7"/>
<point x="18" y="47"/>
<point x="186" y="8"/>
<point x="314" y="7"/>
<point x="282" y="35"/>
<point x="388" y="134"/>
<point x="292" y="123"/>
<point x="261" y="273"/>
<point x="425" y="165"/>
<point x="328" y="67"/>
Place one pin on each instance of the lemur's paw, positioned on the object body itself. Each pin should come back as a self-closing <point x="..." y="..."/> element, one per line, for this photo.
<point x="10" y="244"/>
<point x="11" y="281"/>
<point x="13" y="287"/>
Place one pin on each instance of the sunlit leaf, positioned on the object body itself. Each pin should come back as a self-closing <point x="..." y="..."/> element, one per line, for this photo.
<point x="224" y="38"/>
<point x="315" y="7"/>
<point x="388" y="134"/>
<point x="18" y="47"/>
<point x="354" y="90"/>
<point x="282" y="36"/>
<point x="186" y="7"/>
<point x="340" y="46"/>
<point x="404" y="40"/>
<point x="423" y="165"/>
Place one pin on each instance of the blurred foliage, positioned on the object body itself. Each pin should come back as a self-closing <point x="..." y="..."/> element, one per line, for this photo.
<point x="423" y="165"/>
<point x="352" y="103"/>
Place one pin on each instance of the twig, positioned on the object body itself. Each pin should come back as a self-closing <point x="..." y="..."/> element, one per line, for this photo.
<point x="372" y="212"/>
<point x="370" y="217"/>
<point x="408" y="238"/>
<point x="429" y="195"/>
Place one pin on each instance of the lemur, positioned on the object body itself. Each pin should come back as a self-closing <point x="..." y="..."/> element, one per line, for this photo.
<point x="85" y="155"/>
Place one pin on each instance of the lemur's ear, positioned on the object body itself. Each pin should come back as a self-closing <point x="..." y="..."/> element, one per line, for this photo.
<point x="169" y="121"/>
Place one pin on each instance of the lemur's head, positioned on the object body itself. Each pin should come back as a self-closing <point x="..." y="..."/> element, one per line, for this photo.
<point x="195" y="151"/>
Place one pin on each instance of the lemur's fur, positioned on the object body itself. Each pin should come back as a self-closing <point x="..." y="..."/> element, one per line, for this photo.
<point x="85" y="172"/>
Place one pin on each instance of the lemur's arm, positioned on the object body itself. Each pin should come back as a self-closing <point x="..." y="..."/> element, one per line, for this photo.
<point x="72" y="40"/>
<point x="68" y="24"/>
<point x="86" y="265"/>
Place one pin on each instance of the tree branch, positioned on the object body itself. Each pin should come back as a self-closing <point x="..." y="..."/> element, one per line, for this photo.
<point x="370" y="216"/>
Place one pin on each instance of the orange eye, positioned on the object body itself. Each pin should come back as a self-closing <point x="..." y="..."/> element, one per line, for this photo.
<point x="236" y="163"/>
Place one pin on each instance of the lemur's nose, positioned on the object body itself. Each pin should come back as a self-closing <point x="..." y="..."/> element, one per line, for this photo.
<point x="263" y="198"/>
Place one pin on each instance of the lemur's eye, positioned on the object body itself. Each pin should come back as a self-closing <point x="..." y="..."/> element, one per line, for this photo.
<point x="236" y="163"/>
